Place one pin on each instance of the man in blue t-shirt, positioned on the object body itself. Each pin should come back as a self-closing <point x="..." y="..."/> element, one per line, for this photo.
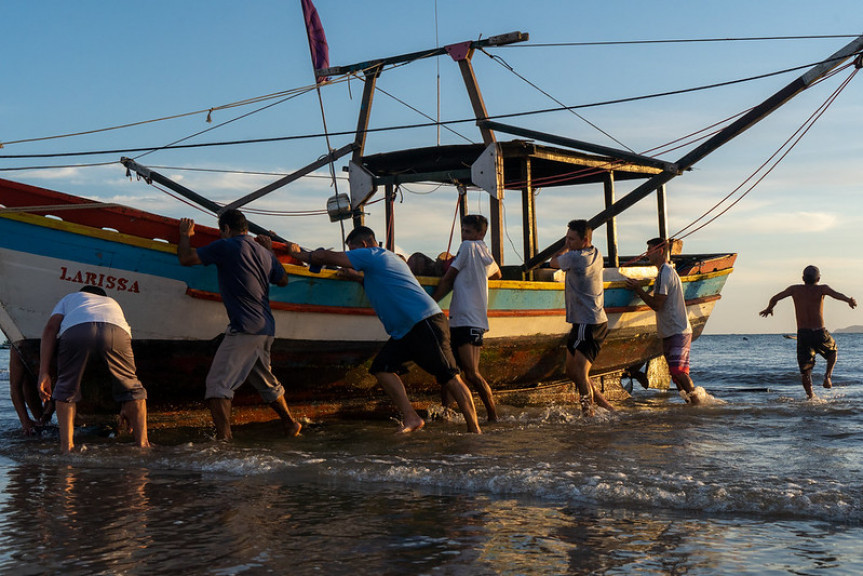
<point x="418" y="329"/>
<point x="246" y="268"/>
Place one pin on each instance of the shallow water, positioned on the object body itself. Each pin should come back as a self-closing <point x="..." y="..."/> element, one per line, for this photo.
<point x="764" y="483"/>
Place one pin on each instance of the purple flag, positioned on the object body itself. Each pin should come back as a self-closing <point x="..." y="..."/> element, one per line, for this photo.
<point x="317" y="39"/>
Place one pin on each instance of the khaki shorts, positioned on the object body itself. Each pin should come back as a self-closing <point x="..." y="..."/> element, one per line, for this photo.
<point x="96" y="342"/>
<point x="242" y="357"/>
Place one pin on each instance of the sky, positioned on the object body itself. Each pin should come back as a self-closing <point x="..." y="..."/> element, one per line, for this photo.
<point x="79" y="67"/>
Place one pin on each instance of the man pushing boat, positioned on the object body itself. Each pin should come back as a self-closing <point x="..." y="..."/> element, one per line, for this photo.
<point x="672" y="320"/>
<point x="417" y="327"/>
<point x="246" y="268"/>
<point x="585" y="310"/>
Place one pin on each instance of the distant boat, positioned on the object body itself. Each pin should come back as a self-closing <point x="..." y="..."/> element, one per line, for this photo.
<point x="790" y="336"/>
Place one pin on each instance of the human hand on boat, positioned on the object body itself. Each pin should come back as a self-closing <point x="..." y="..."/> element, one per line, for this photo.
<point x="350" y="274"/>
<point x="266" y="240"/>
<point x="187" y="227"/>
<point x="635" y="285"/>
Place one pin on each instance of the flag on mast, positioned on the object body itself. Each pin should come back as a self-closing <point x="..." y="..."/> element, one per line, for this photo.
<point x="318" y="48"/>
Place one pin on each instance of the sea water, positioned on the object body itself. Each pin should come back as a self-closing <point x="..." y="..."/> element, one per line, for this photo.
<point x="764" y="483"/>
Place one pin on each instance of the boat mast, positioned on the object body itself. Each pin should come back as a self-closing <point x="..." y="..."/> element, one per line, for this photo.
<point x="461" y="53"/>
<point x="742" y="124"/>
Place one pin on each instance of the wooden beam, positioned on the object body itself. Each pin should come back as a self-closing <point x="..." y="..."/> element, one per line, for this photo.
<point x="499" y="40"/>
<point x="614" y="153"/>
<point x="611" y="226"/>
<point x="662" y="211"/>
<point x="371" y="79"/>
<point x="296" y="175"/>
<point x="528" y="215"/>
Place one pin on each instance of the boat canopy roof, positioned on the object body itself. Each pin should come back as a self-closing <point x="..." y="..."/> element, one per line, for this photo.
<point x="549" y="166"/>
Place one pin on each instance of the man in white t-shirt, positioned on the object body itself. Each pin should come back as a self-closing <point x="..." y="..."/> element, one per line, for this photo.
<point x="83" y="325"/>
<point x="672" y="322"/>
<point x="467" y="277"/>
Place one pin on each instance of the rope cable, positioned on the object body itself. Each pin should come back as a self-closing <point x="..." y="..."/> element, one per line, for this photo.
<point x="423" y="125"/>
<point x="788" y="145"/>
<point x="507" y="66"/>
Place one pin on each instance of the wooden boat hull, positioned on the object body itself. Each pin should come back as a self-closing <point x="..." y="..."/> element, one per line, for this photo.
<point x="327" y="333"/>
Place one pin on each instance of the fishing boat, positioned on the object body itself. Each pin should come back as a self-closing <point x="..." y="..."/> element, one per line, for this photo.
<point x="53" y="243"/>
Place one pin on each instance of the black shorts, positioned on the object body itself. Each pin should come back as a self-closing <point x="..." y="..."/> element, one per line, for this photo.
<point x="811" y="342"/>
<point x="462" y="335"/>
<point x="427" y="345"/>
<point x="587" y="339"/>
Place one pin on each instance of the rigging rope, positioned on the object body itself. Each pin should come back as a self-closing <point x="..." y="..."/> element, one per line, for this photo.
<point x="418" y="125"/>
<point x="507" y="66"/>
<point x="790" y="143"/>
<point x="676" y="41"/>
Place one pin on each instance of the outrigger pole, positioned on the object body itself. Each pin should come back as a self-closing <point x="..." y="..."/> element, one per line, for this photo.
<point x="745" y="122"/>
<point x="151" y="176"/>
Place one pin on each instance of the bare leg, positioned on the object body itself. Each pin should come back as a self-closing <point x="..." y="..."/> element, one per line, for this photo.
<point x="291" y="426"/>
<point x="134" y="415"/>
<point x="828" y="373"/>
<point x="19" y="382"/>
<point x="806" y="378"/>
<point x="220" y="408"/>
<point x="468" y="354"/>
<point x="66" y="423"/>
<point x="395" y="389"/>
<point x="578" y="370"/>
<point x="459" y="390"/>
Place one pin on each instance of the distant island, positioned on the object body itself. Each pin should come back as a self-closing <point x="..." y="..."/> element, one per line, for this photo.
<point x="856" y="329"/>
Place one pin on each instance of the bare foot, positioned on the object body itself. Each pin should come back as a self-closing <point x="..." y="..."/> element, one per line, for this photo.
<point x="412" y="427"/>
<point x="828" y="383"/>
<point x="292" y="428"/>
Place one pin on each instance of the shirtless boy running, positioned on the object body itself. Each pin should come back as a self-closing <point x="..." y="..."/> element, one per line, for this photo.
<point x="812" y="336"/>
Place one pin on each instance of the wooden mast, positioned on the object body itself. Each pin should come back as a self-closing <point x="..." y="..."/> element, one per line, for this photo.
<point x="465" y="50"/>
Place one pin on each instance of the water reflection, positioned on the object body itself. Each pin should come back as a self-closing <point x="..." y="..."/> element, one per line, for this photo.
<point x="60" y="516"/>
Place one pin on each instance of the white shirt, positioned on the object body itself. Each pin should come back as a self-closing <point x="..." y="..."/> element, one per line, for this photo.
<point x="672" y="318"/>
<point x="469" y="306"/>
<point x="81" y="307"/>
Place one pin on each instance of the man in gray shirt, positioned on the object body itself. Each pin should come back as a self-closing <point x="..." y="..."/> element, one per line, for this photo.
<point x="585" y="302"/>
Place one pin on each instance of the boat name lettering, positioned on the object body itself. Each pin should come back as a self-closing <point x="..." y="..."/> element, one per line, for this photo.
<point x="101" y="280"/>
